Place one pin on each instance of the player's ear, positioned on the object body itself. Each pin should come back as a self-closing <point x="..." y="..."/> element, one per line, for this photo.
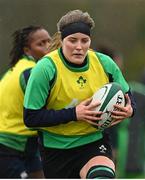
<point x="27" y="51"/>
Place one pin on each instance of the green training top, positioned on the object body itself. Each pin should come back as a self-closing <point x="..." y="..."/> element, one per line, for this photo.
<point x="13" y="132"/>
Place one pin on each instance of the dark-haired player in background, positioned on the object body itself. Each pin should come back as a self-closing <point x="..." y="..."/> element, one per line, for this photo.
<point x="19" y="155"/>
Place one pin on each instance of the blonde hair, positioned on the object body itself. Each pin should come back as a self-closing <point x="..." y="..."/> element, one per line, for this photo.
<point x="55" y="42"/>
<point x="75" y="16"/>
<point x="71" y="17"/>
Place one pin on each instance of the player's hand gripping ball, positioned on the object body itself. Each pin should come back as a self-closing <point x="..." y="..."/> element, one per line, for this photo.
<point x="109" y="95"/>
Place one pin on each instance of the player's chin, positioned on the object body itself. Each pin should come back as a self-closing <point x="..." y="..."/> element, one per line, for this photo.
<point x="78" y="59"/>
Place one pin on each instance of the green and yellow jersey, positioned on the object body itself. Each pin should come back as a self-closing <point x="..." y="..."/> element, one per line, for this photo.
<point x="61" y="85"/>
<point x="13" y="132"/>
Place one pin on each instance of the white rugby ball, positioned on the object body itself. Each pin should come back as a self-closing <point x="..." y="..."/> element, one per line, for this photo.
<point x="109" y="95"/>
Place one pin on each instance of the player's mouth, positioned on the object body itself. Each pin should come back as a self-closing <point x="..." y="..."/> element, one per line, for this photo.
<point x="78" y="55"/>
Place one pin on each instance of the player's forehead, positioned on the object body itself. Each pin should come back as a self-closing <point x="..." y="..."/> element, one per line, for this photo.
<point x="40" y="34"/>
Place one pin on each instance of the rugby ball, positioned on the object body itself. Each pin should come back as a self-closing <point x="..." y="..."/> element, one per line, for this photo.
<point x="108" y="95"/>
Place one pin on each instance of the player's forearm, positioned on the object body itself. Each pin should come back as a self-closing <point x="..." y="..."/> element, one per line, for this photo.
<point x="46" y="118"/>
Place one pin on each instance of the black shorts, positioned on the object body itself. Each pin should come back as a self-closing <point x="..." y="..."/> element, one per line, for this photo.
<point x="17" y="164"/>
<point x="113" y="133"/>
<point x="60" y="163"/>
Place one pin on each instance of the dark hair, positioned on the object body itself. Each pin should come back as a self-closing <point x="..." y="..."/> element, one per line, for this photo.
<point x="105" y="49"/>
<point x="20" y="40"/>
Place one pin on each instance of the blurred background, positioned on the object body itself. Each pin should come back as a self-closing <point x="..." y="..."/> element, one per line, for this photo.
<point x="119" y="23"/>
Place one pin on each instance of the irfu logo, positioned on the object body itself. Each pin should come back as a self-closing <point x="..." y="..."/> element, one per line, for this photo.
<point x="102" y="148"/>
<point x="81" y="81"/>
